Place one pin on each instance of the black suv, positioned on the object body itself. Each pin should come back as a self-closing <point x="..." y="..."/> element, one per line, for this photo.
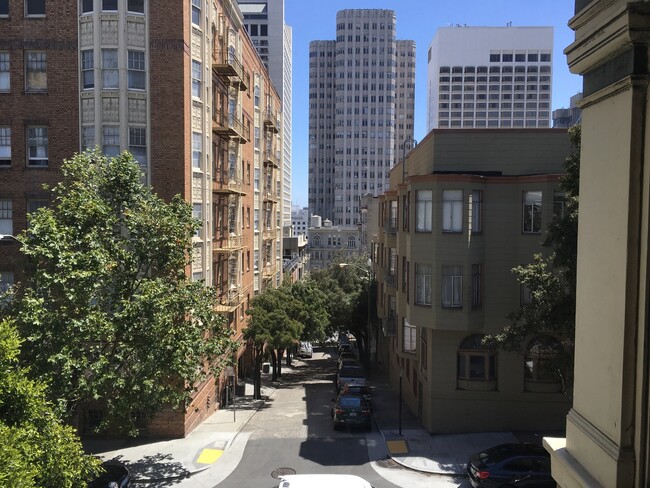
<point x="511" y="465"/>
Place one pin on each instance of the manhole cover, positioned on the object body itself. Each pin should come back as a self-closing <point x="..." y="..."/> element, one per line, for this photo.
<point x="276" y="473"/>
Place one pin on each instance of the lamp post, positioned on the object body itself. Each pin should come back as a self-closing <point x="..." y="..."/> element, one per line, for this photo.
<point x="367" y="345"/>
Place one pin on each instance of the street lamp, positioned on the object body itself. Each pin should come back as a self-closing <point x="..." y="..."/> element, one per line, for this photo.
<point x="366" y="346"/>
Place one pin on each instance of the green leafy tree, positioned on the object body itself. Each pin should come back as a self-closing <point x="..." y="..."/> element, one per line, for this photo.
<point x="313" y="312"/>
<point x="273" y="326"/>
<point x="36" y="448"/>
<point x="106" y="310"/>
<point x="551" y="281"/>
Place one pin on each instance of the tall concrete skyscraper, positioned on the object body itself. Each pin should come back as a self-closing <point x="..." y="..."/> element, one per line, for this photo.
<point x="490" y="77"/>
<point x="361" y="106"/>
<point x="264" y="21"/>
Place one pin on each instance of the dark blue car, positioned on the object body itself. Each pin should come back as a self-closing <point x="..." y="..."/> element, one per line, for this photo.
<point x="511" y="465"/>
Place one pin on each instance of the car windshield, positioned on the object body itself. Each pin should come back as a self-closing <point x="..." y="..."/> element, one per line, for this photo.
<point x="352" y="372"/>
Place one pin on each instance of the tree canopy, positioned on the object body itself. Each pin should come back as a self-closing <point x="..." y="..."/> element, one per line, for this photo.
<point x="36" y="448"/>
<point x="106" y="310"/>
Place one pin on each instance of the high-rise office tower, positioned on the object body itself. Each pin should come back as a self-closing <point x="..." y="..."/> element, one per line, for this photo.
<point x="264" y="21"/>
<point x="490" y="77"/>
<point x="180" y="86"/>
<point x="361" y="106"/>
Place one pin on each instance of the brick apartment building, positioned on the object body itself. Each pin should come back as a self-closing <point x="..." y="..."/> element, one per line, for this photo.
<point x="178" y="84"/>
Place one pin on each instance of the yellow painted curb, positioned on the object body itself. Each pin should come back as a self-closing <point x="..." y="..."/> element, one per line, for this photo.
<point x="397" y="447"/>
<point x="209" y="456"/>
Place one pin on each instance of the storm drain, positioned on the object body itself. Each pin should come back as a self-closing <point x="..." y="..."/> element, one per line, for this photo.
<point x="276" y="473"/>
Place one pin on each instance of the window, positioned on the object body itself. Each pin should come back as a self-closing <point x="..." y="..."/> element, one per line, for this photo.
<point x="196" y="79"/>
<point x="87" y="69"/>
<point x="532" y="212"/>
<point x="197" y="150"/>
<point x="541" y="361"/>
<point x="423" y="284"/>
<point x="559" y="205"/>
<point x="111" y="140"/>
<point x="256" y="179"/>
<point x="110" y="75"/>
<point x="4" y="71"/>
<point x="109" y="5"/>
<point x="136" y="6"/>
<point x="196" y="12"/>
<point x="6" y="218"/>
<point x="36" y="71"/>
<point x="476" y="362"/>
<point x="409" y="337"/>
<point x="317" y="241"/>
<point x="525" y="295"/>
<point x="4" y="8"/>
<point x="197" y="213"/>
<point x="452" y="286"/>
<point x="138" y="144"/>
<point x="37" y="146"/>
<point x="87" y="138"/>
<point x="34" y="7"/>
<point x="423" y="349"/>
<point x="5" y="146"/>
<point x="352" y="243"/>
<point x="423" y="202"/>
<point x="476" y="211"/>
<point x="405" y="212"/>
<point x="477" y="291"/>
<point x="495" y="58"/>
<point x="86" y="6"/>
<point x="136" y="70"/>
<point x="452" y="210"/>
<point x="6" y="280"/>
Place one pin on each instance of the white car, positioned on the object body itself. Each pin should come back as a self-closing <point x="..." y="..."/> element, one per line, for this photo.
<point x="306" y="350"/>
<point x="323" y="481"/>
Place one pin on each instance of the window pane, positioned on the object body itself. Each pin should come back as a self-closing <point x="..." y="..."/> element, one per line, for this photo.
<point x="477" y="367"/>
<point x="4" y="7"/>
<point x="423" y="203"/>
<point x="196" y="12"/>
<point x="4" y="71"/>
<point x="86" y="6"/>
<point x="136" y="70"/>
<point x="35" y="7"/>
<point x="110" y="77"/>
<point x="36" y="71"/>
<point x="196" y="149"/>
<point x="37" y="150"/>
<point x="452" y="210"/>
<point x="196" y="79"/>
<point x="136" y="6"/>
<point x="5" y="146"/>
<point x="109" y="4"/>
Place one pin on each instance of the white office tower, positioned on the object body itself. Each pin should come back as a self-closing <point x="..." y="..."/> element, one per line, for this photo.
<point x="490" y="77"/>
<point x="264" y="21"/>
<point x="361" y="106"/>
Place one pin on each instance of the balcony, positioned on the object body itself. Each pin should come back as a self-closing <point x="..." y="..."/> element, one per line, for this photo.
<point x="229" y="185"/>
<point x="271" y="158"/>
<point x="228" y="244"/>
<point x="227" y="125"/>
<point x="227" y="66"/>
<point x="269" y="233"/>
<point x="228" y="301"/>
<point x="269" y="271"/>
<point x="270" y="195"/>
<point x="271" y="121"/>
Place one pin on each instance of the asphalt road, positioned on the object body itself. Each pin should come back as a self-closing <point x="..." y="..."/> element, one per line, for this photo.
<point x="293" y="433"/>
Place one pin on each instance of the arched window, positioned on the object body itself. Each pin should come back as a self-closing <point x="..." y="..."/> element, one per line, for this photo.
<point x="476" y="364"/>
<point x="317" y="241"/>
<point x="542" y="369"/>
<point x="352" y="243"/>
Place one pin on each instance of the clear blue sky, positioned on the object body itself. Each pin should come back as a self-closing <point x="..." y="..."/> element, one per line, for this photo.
<point x="417" y="20"/>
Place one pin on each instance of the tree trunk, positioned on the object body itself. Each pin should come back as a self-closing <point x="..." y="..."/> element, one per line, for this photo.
<point x="280" y="351"/>
<point x="274" y="362"/>
<point x="289" y="352"/>
<point x="257" y="376"/>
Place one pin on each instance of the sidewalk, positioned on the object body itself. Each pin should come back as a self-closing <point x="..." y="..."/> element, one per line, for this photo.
<point x="219" y="441"/>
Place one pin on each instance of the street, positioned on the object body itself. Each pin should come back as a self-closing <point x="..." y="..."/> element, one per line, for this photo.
<point x="293" y="433"/>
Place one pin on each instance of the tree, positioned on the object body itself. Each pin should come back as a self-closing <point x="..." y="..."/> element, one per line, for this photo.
<point x="551" y="281"/>
<point x="36" y="448"/>
<point x="273" y="326"/>
<point x="106" y="310"/>
<point x="313" y="312"/>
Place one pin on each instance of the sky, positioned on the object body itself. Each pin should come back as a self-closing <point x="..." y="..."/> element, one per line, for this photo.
<point x="417" y="20"/>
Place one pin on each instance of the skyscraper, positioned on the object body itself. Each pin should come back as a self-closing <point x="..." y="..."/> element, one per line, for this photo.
<point x="490" y="77"/>
<point x="361" y="106"/>
<point x="264" y="21"/>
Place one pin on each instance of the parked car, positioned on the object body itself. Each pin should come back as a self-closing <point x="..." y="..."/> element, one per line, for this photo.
<point x="352" y="375"/>
<point x="306" y="350"/>
<point x="348" y="362"/>
<point x="323" y="481"/>
<point x="115" y="475"/>
<point x="345" y="348"/>
<point x="512" y="465"/>
<point x="361" y="390"/>
<point x="351" y="410"/>
<point x="345" y="355"/>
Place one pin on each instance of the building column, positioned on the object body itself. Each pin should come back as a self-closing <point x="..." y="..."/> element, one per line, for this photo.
<point x="607" y="428"/>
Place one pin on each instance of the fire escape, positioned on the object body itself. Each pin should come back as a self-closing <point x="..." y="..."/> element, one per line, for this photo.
<point x="228" y="180"/>
<point x="270" y="194"/>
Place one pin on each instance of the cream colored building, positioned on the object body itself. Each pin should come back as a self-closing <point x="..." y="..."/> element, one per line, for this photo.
<point x="468" y="207"/>
<point x="331" y="243"/>
<point x="608" y="428"/>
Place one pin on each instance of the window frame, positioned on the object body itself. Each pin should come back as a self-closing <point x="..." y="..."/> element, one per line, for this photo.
<point x="477" y="285"/>
<point x="5" y="74"/>
<point x="5" y="142"/>
<point x="531" y="220"/>
<point x="87" y="69"/>
<point x="6" y="217"/>
<point x="29" y="144"/>
<point x="107" y="7"/>
<point x="109" y="135"/>
<point x="476" y="212"/>
<point x="136" y="70"/>
<point x="85" y="130"/>
<point x="138" y="144"/>
<point x="423" y="284"/>
<point x="84" y="6"/>
<point x="196" y="13"/>
<point x="197" y="79"/>
<point x="110" y="67"/>
<point x="4" y="9"/>
<point x="409" y="346"/>
<point x="470" y="348"/>
<point x="130" y="3"/>
<point x="197" y="150"/>
<point x="452" y="211"/>
<point x="32" y="4"/>
<point x="423" y="210"/>
<point x="451" y="287"/>
<point x="34" y="86"/>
